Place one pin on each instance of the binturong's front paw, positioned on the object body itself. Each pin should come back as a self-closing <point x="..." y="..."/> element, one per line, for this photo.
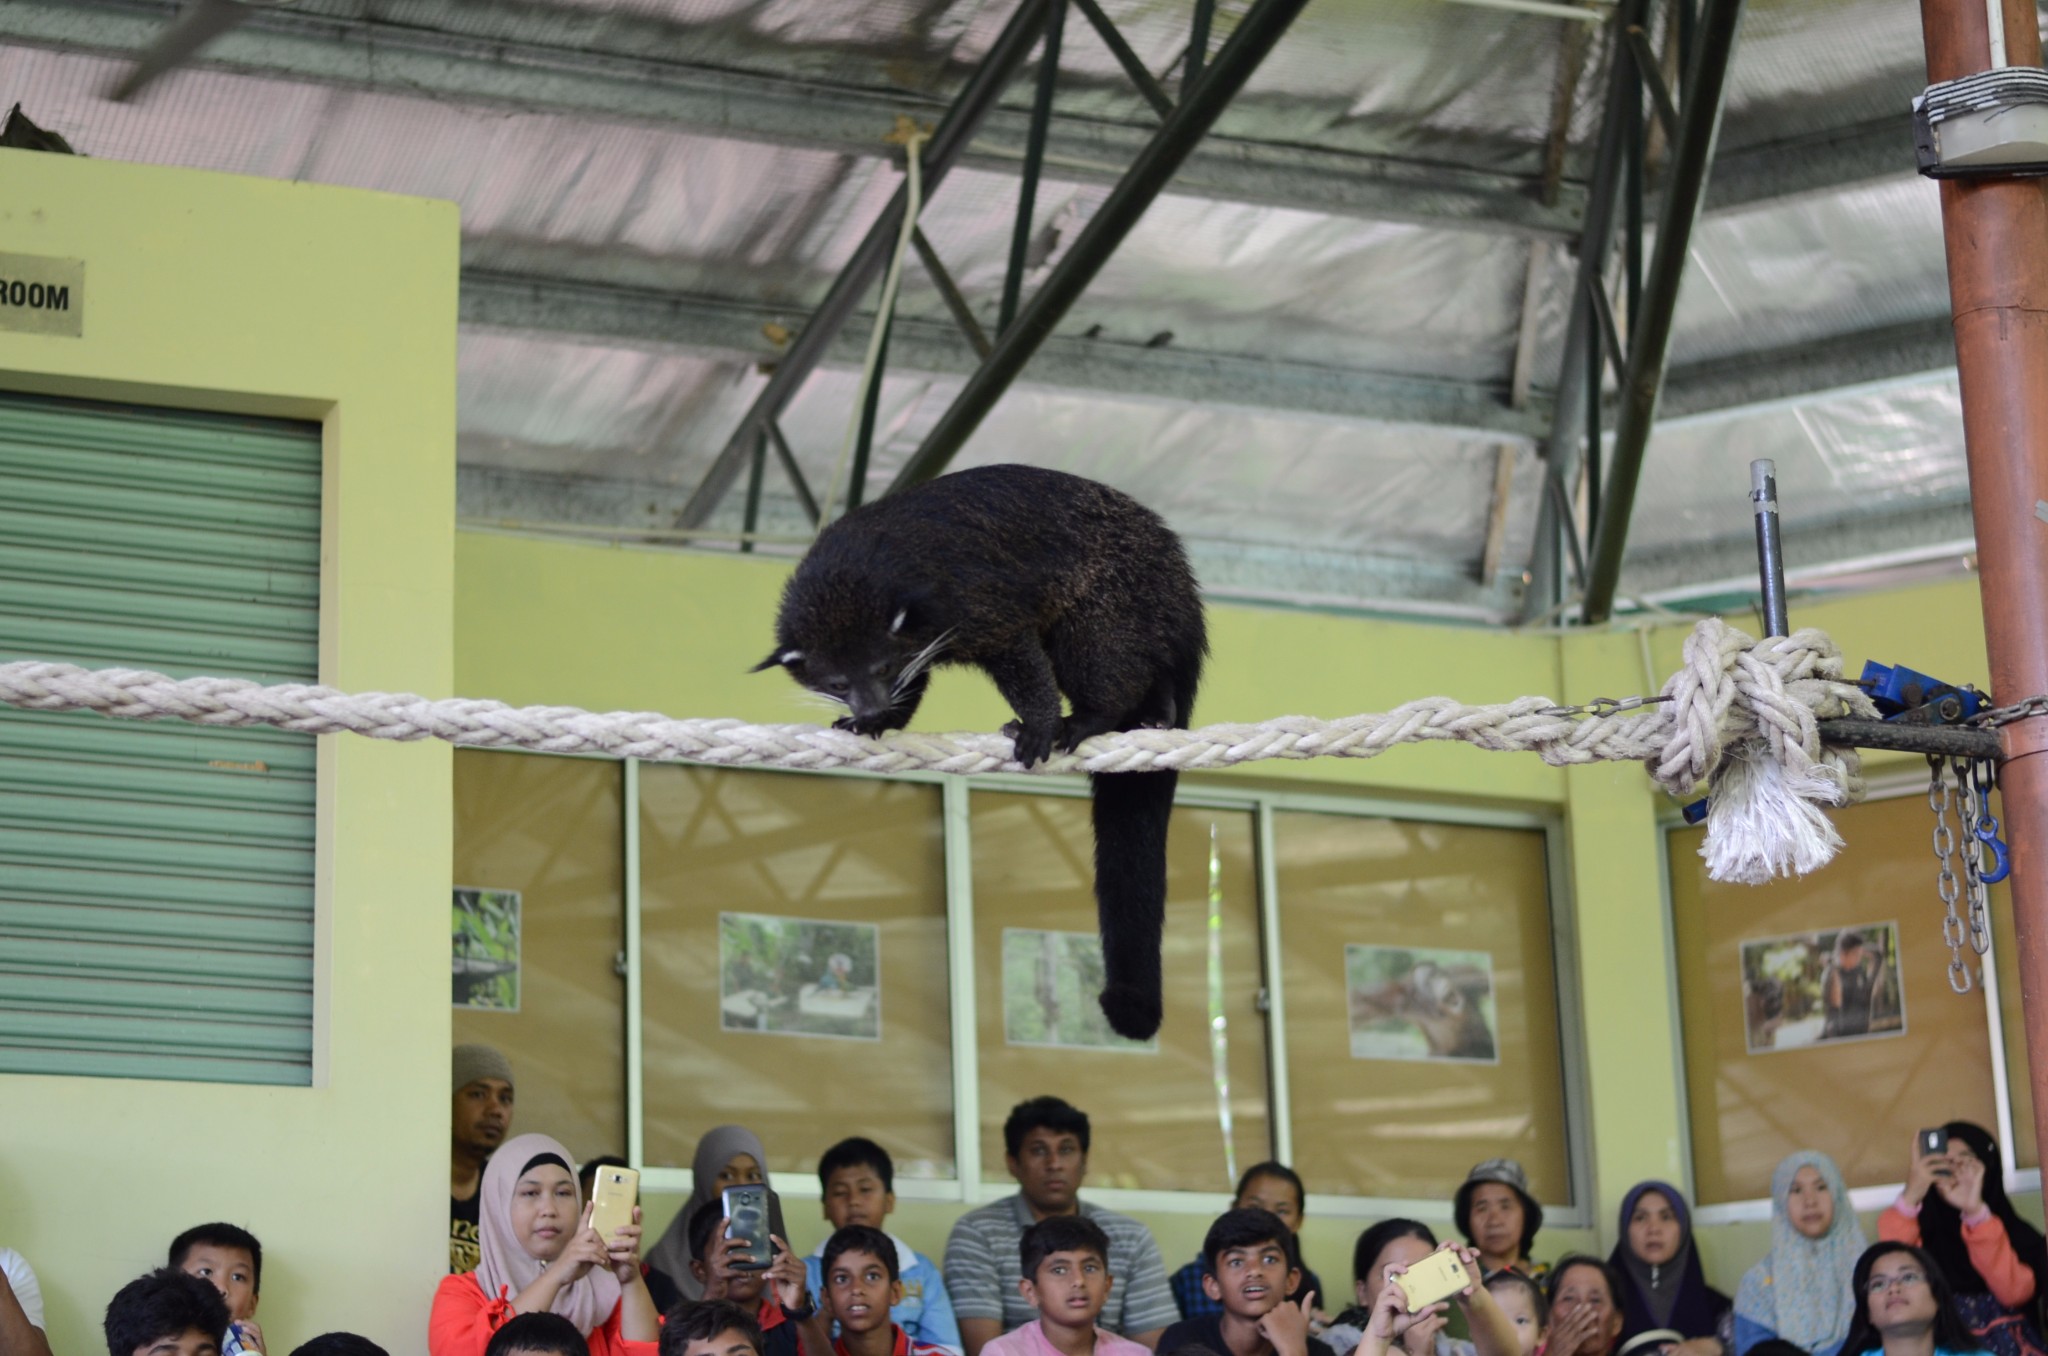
<point x="871" y="726"/>
<point x="1033" y="743"/>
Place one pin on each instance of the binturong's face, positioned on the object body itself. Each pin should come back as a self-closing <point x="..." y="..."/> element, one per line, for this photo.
<point x="856" y="647"/>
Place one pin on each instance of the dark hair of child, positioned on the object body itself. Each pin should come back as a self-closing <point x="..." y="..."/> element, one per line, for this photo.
<point x="1060" y="1233"/>
<point x="703" y="1225"/>
<point x="1043" y="1113"/>
<point x="857" y="1152"/>
<point x="538" y="1334"/>
<point x="861" y="1238"/>
<point x="587" y="1174"/>
<point x="1282" y="1172"/>
<point x="221" y="1236"/>
<point x="1374" y="1241"/>
<point x="339" y="1344"/>
<point x="703" y="1320"/>
<point x="1248" y="1228"/>
<point x="1515" y="1280"/>
<point x="159" y="1304"/>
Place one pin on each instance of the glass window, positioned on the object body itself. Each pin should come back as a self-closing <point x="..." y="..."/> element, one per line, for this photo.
<point x="1771" y="1065"/>
<point x="1186" y="1112"/>
<point x="1421" y="1004"/>
<point x="551" y="830"/>
<point x="793" y="936"/>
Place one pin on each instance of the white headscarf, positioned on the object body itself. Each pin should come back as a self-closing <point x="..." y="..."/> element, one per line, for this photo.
<point x="506" y="1268"/>
<point x="1800" y="1291"/>
<point x="671" y="1256"/>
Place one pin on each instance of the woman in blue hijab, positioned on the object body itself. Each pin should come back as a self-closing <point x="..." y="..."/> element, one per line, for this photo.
<point x="1665" y="1290"/>
<point x="1800" y="1291"/>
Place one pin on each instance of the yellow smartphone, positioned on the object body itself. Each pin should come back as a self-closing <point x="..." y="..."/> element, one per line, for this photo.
<point x="1436" y="1277"/>
<point x="612" y="1198"/>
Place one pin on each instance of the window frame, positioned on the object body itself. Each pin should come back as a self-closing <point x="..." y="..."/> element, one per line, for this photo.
<point x="966" y="1186"/>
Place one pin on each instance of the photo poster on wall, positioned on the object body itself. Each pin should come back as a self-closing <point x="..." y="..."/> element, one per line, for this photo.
<point x="486" y="938"/>
<point x="1052" y="982"/>
<point x="1813" y="988"/>
<point x="816" y="977"/>
<point x="1421" y="1003"/>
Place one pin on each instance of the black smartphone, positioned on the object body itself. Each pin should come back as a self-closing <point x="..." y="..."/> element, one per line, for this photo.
<point x="1932" y="1143"/>
<point x="752" y="1213"/>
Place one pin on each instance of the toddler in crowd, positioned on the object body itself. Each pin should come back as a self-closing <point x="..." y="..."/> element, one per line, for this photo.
<point x="166" y="1313"/>
<point x="1521" y="1300"/>
<point x="1066" y="1279"/>
<point x="862" y="1290"/>
<point x="231" y="1260"/>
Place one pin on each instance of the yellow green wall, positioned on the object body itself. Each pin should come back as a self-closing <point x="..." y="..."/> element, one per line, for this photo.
<point x="255" y="296"/>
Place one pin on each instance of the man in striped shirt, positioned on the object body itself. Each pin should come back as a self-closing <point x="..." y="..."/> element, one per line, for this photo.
<point x="1045" y="1145"/>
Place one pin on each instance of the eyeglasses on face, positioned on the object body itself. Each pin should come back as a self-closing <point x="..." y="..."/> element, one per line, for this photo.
<point x="1877" y="1285"/>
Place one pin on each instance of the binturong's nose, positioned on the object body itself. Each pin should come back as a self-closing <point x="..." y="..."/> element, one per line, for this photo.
<point x="870" y="701"/>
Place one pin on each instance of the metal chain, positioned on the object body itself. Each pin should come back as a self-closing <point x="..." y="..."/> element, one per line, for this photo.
<point x="2006" y="715"/>
<point x="1603" y="706"/>
<point x="1971" y="809"/>
<point x="1946" y="884"/>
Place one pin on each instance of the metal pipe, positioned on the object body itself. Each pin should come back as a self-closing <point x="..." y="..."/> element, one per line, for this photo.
<point x="857" y="477"/>
<point x="1155" y="95"/>
<point x="1154" y="168"/>
<point x="1034" y="163"/>
<point x="949" y="292"/>
<point x="752" y="518"/>
<point x="1198" y="45"/>
<point x="1554" y="525"/>
<point x="1948" y="741"/>
<point x="948" y="143"/>
<point x="1653" y="80"/>
<point x="795" y="472"/>
<point x="1998" y="295"/>
<point x="1770" y="551"/>
<point x="1650" y="331"/>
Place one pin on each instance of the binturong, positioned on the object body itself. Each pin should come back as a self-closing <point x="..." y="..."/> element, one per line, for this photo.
<point x="1052" y="584"/>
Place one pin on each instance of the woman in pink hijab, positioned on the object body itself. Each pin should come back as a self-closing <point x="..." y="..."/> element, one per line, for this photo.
<point x="540" y="1255"/>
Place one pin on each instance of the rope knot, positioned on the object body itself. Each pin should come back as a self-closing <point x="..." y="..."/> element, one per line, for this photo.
<point x="1744" y="716"/>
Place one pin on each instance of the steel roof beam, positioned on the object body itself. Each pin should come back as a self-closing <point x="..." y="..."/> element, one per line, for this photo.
<point x="637" y="69"/>
<point x="733" y="329"/>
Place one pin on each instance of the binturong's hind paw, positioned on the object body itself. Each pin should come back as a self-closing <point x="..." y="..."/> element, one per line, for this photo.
<point x="1133" y="1013"/>
<point x="1033" y="744"/>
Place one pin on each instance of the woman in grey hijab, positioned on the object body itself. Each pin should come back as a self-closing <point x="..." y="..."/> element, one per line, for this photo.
<point x="729" y="1155"/>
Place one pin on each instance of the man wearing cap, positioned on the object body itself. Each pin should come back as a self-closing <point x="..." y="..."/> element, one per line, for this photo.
<point x="482" y="1119"/>
<point x="1499" y="1217"/>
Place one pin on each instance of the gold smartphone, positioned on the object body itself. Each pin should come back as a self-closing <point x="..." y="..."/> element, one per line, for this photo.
<point x="612" y="1198"/>
<point x="1436" y="1277"/>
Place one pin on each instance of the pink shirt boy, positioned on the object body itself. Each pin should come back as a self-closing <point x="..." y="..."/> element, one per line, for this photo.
<point x="1029" y="1340"/>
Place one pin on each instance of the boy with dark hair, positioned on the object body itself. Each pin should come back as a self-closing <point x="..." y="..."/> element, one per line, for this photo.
<point x="538" y="1334"/>
<point x="1250" y="1268"/>
<point x="861" y="1291"/>
<point x="339" y="1344"/>
<point x="710" y="1328"/>
<point x="1064" y="1260"/>
<point x="166" y="1313"/>
<point x="1264" y="1186"/>
<point x="1046" y="1150"/>
<point x="231" y="1259"/>
<point x="780" y="1298"/>
<point x="858" y="1179"/>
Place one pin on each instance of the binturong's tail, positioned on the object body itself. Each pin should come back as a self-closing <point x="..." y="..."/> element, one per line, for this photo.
<point x="1131" y="814"/>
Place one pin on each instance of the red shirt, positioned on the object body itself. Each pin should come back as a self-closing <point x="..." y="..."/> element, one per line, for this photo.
<point x="464" y="1318"/>
<point x="904" y="1346"/>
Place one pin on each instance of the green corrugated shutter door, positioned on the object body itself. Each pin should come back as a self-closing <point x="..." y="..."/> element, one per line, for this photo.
<point x="156" y="879"/>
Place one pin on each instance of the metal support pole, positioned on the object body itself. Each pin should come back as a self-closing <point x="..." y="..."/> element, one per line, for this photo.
<point x="787" y="458"/>
<point x="1770" y="551"/>
<point x="1998" y="293"/>
<point x="949" y="292"/>
<point x="857" y="477"/>
<point x="1650" y="331"/>
<point x="1653" y="80"/>
<point x="1595" y="369"/>
<point x="1198" y="44"/>
<point x="1154" y="168"/>
<point x="1034" y="162"/>
<point x="1554" y="526"/>
<point x="1126" y="58"/>
<point x="948" y="143"/>
<point x="752" y="519"/>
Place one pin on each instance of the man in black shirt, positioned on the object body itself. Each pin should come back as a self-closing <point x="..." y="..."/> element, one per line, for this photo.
<point x="482" y="1119"/>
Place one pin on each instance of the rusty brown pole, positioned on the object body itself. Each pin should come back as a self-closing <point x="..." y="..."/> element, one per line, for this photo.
<point x="1997" y="236"/>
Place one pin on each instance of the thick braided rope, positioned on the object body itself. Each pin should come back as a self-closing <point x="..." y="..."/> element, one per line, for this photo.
<point x="1731" y="691"/>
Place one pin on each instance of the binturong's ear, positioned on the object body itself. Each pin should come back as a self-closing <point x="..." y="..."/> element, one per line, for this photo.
<point x="777" y="659"/>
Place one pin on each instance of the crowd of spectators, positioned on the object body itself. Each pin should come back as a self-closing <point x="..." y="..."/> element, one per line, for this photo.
<point x="1047" y="1272"/>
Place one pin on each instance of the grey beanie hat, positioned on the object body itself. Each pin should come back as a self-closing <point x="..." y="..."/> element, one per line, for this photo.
<point x="472" y="1062"/>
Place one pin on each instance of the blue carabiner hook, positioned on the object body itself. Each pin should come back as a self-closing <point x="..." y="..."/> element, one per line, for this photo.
<point x="2001" y="864"/>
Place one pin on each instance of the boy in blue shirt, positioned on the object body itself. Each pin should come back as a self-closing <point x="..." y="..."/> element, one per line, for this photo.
<point x="859" y="1182"/>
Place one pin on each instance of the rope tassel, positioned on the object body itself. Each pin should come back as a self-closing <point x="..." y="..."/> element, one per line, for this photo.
<point x="1741" y="715"/>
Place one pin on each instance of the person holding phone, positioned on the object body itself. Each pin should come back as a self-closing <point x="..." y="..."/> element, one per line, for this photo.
<point x="1390" y="1244"/>
<point x="725" y="1262"/>
<point x="1493" y="1330"/>
<point x="1904" y="1306"/>
<point x="1799" y="1292"/>
<point x="538" y="1254"/>
<point x="1954" y="1206"/>
<point x="727" y="1155"/>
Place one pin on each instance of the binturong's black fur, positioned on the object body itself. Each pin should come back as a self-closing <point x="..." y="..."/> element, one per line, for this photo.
<point x="1051" y="584"/>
